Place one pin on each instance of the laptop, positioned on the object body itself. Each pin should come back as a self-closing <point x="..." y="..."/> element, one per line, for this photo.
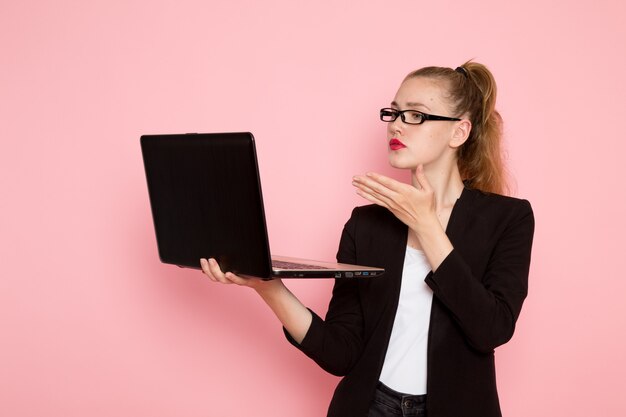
<point x="206" y="200"/>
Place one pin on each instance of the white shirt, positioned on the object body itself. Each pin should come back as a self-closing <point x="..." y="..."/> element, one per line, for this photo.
<point x="404" y="369"/>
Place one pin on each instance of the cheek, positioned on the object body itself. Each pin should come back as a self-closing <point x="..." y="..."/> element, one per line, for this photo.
<point x="426" y="146"/>
<point x="429" y="137"/>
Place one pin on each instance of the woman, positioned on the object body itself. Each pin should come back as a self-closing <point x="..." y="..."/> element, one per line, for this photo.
<point x="420" y="340"/>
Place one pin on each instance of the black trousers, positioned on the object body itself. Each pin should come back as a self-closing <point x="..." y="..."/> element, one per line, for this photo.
<point x="388" y="402"/>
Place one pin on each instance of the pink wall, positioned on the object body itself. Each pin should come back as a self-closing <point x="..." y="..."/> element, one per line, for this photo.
<point x="92" y="324"/>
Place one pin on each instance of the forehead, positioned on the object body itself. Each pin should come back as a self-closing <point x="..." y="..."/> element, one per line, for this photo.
<point x="422" y="92"/>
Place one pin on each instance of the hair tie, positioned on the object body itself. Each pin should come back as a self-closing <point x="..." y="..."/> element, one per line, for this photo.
<point x="462" y="71"/>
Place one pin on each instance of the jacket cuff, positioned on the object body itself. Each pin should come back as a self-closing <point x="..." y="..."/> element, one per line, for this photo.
<point x="312" y="338"/>
<point x="452" y="266"/>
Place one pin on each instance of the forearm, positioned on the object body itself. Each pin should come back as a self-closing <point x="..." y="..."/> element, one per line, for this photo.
<point x="486" y="312"/>
<point x="486" y="300"/>
<point x="336" y="342"/>
<point x="293" y="315"/>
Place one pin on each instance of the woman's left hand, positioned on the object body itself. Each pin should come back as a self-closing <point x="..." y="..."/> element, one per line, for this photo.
<point x="412" y="205"/>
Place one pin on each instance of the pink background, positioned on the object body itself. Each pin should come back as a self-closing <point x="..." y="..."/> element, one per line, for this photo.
<point x="93" y="325"/>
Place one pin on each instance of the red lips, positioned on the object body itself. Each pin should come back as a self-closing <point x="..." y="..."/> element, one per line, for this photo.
<point x="395" y="144"/>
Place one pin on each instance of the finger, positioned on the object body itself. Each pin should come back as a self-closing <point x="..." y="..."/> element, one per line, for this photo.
<point x="387" y="198"/>
<point x="215" y="270"/>
<point x="372" y="186"/>
<point x="367" y="192"/>
<point x="421" y="178"/>
<point x="389" y="183"/>
<point x="236" y="279"/>
<point x="370" y="182"/>
<point x="204" y="264"/>
<point x="365" y="188"/>
<point x="395" y="198"/>
<point x="374" y="198"/>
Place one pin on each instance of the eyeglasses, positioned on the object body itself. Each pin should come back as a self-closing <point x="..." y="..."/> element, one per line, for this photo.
<point x="410" y="117"/>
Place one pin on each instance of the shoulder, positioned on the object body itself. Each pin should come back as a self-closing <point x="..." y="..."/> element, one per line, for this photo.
<point x="373" y="220"/>
<point x="484" y="225"/>
<point x="370" y="210"/>
<point x="371" y="214"/>
<point x="490" y="202"/>
<point x="495" y="212"/>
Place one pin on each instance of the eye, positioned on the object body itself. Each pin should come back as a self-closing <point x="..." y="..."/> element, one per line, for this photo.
<point x="414" y="116"/>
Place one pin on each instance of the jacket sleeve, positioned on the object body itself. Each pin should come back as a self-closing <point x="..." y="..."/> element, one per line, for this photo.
<point x="336" y="342"/>
<point x="486" y="308"/>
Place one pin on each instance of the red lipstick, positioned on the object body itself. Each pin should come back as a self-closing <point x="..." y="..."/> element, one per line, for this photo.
<point x="395" y="144"/>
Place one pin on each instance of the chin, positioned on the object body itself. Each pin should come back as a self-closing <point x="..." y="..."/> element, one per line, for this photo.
<point x="401" y="163"/>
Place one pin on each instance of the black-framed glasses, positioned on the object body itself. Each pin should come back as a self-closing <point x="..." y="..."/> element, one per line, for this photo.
<point x="411" y="117"/>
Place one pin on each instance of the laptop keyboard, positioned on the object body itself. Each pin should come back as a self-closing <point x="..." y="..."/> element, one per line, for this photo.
<point x="291" y="265"/>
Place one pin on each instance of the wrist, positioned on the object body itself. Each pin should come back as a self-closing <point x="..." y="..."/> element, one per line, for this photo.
<point x="427" y="225"/>
<point x="269" y="289"/>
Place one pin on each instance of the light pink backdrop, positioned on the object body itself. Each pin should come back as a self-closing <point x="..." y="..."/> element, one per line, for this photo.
<point x="93" y="325"/>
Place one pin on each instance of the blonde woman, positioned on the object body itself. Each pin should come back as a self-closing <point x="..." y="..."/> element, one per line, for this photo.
<point x="420" y="340"/>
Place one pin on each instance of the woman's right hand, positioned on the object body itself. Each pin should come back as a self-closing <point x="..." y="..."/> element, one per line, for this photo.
<point x="212" y="269"/>
<point x="294" y="316"/>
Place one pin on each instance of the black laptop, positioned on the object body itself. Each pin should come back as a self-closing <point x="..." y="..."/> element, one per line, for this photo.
<point x="205" y="194"/>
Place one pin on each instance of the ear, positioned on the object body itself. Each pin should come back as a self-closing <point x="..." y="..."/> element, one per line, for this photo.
<point x="460" y="133"/>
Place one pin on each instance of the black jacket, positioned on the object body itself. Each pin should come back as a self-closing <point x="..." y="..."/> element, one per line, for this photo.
<point x="478" y="293"/>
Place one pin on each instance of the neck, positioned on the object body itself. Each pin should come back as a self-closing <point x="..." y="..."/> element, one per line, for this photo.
<point x="446" y="183"/>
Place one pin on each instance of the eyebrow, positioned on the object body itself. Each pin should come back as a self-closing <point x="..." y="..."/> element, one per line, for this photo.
<point x="411" y="104"/>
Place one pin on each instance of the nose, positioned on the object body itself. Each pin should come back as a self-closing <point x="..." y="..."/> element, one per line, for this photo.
<point x="395" y="126"/>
